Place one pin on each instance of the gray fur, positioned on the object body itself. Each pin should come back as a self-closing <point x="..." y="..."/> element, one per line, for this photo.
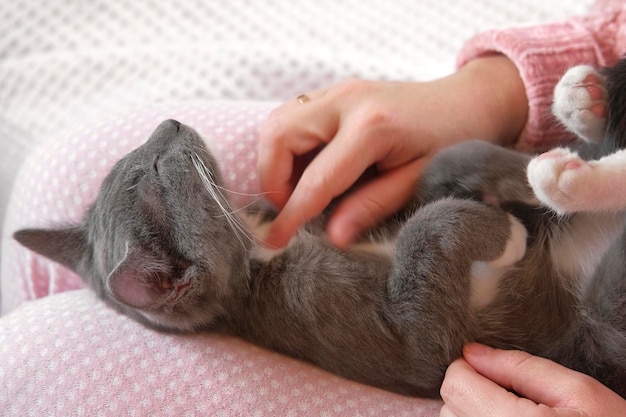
<point x="393" y="322"/>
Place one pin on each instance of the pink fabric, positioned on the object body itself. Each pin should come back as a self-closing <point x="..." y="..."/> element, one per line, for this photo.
<point x="544" y="52"/>
<point x="70" y="355"/>
<point x="65" y="353"/>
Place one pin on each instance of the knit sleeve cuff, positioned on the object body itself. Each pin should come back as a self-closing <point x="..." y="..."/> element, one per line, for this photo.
<point x="542" y="54"/>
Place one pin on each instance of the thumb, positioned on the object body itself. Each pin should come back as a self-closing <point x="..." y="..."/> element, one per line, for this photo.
<point x="533" y="377"/>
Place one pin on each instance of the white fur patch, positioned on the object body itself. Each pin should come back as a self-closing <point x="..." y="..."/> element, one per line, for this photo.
<point x="515" y="248"/>
<point x="579" y="249"/>
<point x="259" y="229"/>
<point x="485" y="279"/>
<point x="486" y="275"/>
<point x="384" y="249"/>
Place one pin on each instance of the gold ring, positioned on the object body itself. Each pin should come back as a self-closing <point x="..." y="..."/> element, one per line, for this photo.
<point x="303" y="98"/>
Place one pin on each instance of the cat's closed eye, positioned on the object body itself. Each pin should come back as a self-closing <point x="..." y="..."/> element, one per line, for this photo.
<point x="155" y="164"/>
<point x="179" y="268"/>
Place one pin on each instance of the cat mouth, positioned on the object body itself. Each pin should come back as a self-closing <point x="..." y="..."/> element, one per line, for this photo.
<point x="178" y="283"/>
<point x="177" y="289"/>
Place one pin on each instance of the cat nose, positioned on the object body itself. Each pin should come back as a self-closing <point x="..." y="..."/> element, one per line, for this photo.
<point x="166" y="131"/>
<point x="176" y="123"/>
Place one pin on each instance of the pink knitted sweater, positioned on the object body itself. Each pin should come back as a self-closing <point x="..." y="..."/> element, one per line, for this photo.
<point x="544" y="52"/>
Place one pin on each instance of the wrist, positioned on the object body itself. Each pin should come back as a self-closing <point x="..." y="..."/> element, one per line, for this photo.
<point x="493" y="92"/>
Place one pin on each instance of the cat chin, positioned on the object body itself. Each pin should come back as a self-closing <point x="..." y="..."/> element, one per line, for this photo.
<point x="168" y="322"/>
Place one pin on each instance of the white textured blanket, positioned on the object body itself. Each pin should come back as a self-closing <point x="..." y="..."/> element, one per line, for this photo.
<point x="65" y="63"/>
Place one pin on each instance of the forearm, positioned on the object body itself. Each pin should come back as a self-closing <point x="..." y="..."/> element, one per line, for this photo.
<point x="493" y="94"/>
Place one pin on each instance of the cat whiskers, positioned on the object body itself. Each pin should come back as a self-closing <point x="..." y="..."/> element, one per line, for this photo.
<point x="215" y="191"/>
<point x="257" y="196"/>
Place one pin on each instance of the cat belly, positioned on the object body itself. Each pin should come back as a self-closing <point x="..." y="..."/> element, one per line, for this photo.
<point x="384" y="249"/>
<point x="485" y="275"/>
<point x="580" y="247"/>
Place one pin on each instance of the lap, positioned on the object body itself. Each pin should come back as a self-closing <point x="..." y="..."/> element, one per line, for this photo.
<point x="70" y="354"/>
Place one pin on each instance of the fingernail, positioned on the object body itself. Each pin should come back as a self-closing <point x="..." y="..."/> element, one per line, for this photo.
<point x="476" y="349"/>
<point x="273" y="242"/>
<point x="269" y="243"/>
<point x="342" y="238"/>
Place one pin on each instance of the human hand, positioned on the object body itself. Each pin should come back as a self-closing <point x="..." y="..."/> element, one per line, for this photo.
<point x="478" y="384"/>
<point x="313" y="152"/>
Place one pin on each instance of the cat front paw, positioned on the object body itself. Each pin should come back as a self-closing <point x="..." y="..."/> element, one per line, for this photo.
<point x="580" y="102"/>
<point x="558" y="179"/>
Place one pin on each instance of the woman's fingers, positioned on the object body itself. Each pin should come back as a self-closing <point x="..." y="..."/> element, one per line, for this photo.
<point x="536" y="378"/>
<point x="292" y="131"/>
<point x="337" y="141"/>
<point x="333" y="171"/>
<point x="373" y="202"/>
<point x="469" y="394"/>
<point x="314" y="151"/>
<point x="479" y="384"/>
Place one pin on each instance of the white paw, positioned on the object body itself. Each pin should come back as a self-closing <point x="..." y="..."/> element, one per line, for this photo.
<point x="558" y="179"/>
<point x="580" y="101"/>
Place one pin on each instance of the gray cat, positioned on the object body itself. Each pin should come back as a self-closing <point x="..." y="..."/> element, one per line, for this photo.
<point x="472" y="258"/>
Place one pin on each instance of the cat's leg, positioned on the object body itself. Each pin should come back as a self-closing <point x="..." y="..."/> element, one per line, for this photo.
<point x="479" y="170"/>
<point x="449" y="257"/>
<point x="560" y="178"/>
<point x="580" y="102"/>
<point x="567" y="184"/>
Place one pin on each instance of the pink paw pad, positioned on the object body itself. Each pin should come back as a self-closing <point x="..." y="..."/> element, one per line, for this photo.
<point x="572" y="165"/>
<point x="593" y="85"/>
<point x="491" y="200"/>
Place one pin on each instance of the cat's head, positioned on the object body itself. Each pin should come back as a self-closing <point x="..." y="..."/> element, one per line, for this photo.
<point x="158" y="243"/>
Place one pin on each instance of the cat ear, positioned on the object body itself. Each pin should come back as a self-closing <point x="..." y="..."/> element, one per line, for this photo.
<point x="137" y="281"/>
<point x="66" y="246"/>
